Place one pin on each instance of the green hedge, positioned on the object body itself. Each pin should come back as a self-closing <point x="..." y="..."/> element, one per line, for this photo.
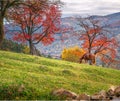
<point x="10" y="45"/>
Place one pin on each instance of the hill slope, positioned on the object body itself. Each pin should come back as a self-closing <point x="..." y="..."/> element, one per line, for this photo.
<point x="31" y="77"/>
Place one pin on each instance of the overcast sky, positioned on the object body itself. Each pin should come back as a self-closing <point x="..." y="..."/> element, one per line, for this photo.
<point x="90" y="7"/>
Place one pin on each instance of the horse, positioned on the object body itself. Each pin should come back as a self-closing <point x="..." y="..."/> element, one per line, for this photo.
<point x="88" y="58"/>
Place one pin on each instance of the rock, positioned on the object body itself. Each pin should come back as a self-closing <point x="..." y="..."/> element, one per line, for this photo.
<point x="110" y="92"/>
<point x="83" y="97"/>
<point x="113" y="88"/>
<point x="103" y="94"/>
<point x="117" y="91"/>
<point x="62" y="93"/>
<point x="99" y="96"/>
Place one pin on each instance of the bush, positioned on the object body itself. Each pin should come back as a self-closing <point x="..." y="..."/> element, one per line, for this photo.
<point x="26" y="50"/>
<point x="10" y="45"/>
<point x="72" y="54"/>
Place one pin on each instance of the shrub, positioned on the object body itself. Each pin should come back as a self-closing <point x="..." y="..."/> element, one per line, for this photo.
<point x="10" y="45"/>
<point x="26" y="50"/>
<point x="72" y="54"/>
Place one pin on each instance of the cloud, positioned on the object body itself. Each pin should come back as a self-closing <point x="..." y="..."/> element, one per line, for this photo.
<point x="90" y="7"/>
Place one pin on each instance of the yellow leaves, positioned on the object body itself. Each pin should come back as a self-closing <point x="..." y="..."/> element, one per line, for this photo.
<point x="72" y="54"/>
<point x="26" y="50"/>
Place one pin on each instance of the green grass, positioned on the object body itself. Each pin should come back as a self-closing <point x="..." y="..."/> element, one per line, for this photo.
<point x="40" y="76"/>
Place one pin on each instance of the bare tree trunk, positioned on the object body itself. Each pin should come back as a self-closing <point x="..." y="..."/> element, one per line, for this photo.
<point x="33" y="50"/>
<point x="1" y="30"/>
<point x="31" y="46"/>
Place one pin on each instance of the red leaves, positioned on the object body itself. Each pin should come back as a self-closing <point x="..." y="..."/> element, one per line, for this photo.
<point x="19" y="37"/>
<point x="27" y="36"/>
<point x="37" y="23"/>
<point x="95" y="39"/>
<point x="48" y="40"/>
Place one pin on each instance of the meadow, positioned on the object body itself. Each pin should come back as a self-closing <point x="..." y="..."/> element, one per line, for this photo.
<point x="24" y="77"/>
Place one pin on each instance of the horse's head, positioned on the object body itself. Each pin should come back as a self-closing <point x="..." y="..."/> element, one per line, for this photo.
<point x="88" y="57"/>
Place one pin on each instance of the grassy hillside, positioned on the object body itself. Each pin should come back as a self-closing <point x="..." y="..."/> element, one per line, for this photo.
<point x="31" y="77"/>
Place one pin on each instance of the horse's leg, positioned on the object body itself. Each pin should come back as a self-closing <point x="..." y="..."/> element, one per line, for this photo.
<point x="80" y="60"/>
<point x="90" y="61"/>
<point x="86" y="60"/>
<point x="93" y="61"/>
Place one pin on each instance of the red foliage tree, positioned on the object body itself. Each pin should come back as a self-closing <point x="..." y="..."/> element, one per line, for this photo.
<point x="95" y="39"/>
<point x="36" y="23"/>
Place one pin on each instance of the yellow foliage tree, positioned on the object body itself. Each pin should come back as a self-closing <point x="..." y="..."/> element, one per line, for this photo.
<point x="72" y="54"/>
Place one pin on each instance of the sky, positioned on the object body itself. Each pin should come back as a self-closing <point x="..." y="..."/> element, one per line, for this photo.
<point x="90" y="7"/>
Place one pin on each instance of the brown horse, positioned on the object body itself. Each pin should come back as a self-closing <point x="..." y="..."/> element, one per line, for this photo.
<point x="88" y="58"/>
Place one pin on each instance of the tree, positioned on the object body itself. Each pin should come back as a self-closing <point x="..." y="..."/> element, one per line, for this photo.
<point x="72" y="54"/>
<point x="5" y="5"/>
<point x="36" y="23"/>
<point x="95" y="39"/>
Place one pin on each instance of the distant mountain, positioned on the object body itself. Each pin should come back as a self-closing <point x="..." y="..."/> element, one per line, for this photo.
<point x="114" y="15"/>
<point x="112" y="20"/>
